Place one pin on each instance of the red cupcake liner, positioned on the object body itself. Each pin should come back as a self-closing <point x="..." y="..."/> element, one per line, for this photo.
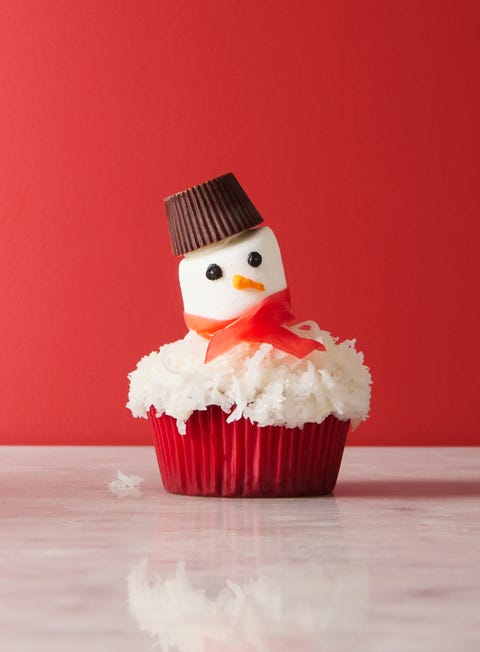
<point x="242" y="459"/>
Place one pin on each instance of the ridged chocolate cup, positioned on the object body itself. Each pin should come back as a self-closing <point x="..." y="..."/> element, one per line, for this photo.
<point x="243" y="459"/>
<point x="208" y="213"/>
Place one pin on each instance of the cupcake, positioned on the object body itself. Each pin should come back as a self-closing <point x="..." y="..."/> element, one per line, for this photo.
<point x="248" y="403"/>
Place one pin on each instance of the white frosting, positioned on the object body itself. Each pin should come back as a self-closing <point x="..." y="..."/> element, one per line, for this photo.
<point x="260" y="383"/>
<point x="219" y="299"/>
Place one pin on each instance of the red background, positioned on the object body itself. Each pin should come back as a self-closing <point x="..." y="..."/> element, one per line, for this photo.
<point x="353" y="126"/>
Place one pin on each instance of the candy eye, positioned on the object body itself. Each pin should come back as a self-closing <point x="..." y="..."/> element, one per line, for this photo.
<point x="254" y="259"/>
<point x="213" y="272"/>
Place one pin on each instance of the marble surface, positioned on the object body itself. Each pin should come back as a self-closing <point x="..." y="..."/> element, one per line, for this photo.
<point x="390" y="563"/>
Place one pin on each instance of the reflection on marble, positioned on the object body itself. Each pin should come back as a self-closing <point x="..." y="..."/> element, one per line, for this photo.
<point x="391" y="563"/>
<point x="244" y="579"/>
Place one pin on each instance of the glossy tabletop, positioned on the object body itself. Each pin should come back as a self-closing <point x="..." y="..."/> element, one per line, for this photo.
<point x="390" y="563"/>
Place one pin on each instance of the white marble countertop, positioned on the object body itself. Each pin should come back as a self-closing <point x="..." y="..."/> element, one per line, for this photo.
<point x="391" y="563"/>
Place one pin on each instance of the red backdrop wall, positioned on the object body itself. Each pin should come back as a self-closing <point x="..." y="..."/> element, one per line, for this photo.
<point x="354" y="127"/>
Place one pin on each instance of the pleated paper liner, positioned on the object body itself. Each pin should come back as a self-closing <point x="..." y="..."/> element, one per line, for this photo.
<point x="242" y="459"/>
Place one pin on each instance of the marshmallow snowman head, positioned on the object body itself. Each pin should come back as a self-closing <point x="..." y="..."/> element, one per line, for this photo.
<point x="222" y="280"/>
<point x="231" y="264"/>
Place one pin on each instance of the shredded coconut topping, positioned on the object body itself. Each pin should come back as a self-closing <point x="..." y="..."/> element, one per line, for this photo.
<point x="257" y="382"/>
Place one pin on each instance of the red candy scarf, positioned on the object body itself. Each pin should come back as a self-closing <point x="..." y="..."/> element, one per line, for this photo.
<point x="265" y="322"/>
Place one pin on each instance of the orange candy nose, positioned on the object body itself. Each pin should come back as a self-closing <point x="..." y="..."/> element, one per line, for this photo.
<point x="244" y="283"/>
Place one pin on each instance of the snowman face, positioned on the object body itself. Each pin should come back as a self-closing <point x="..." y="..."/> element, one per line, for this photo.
<point x="222" y="280"/>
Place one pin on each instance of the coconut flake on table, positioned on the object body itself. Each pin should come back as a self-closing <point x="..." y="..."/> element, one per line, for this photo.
<point x="125" y="485"/>
<point x="257" y="382"/>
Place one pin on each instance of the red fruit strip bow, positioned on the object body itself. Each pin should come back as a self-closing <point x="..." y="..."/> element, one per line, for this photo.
<point x="265" y="322"/>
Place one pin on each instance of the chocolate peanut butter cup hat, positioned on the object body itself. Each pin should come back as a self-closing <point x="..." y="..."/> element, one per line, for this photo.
<point x="208" y="213"/>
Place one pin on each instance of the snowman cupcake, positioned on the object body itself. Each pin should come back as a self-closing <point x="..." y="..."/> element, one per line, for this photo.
<point x="248" y="403"/>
